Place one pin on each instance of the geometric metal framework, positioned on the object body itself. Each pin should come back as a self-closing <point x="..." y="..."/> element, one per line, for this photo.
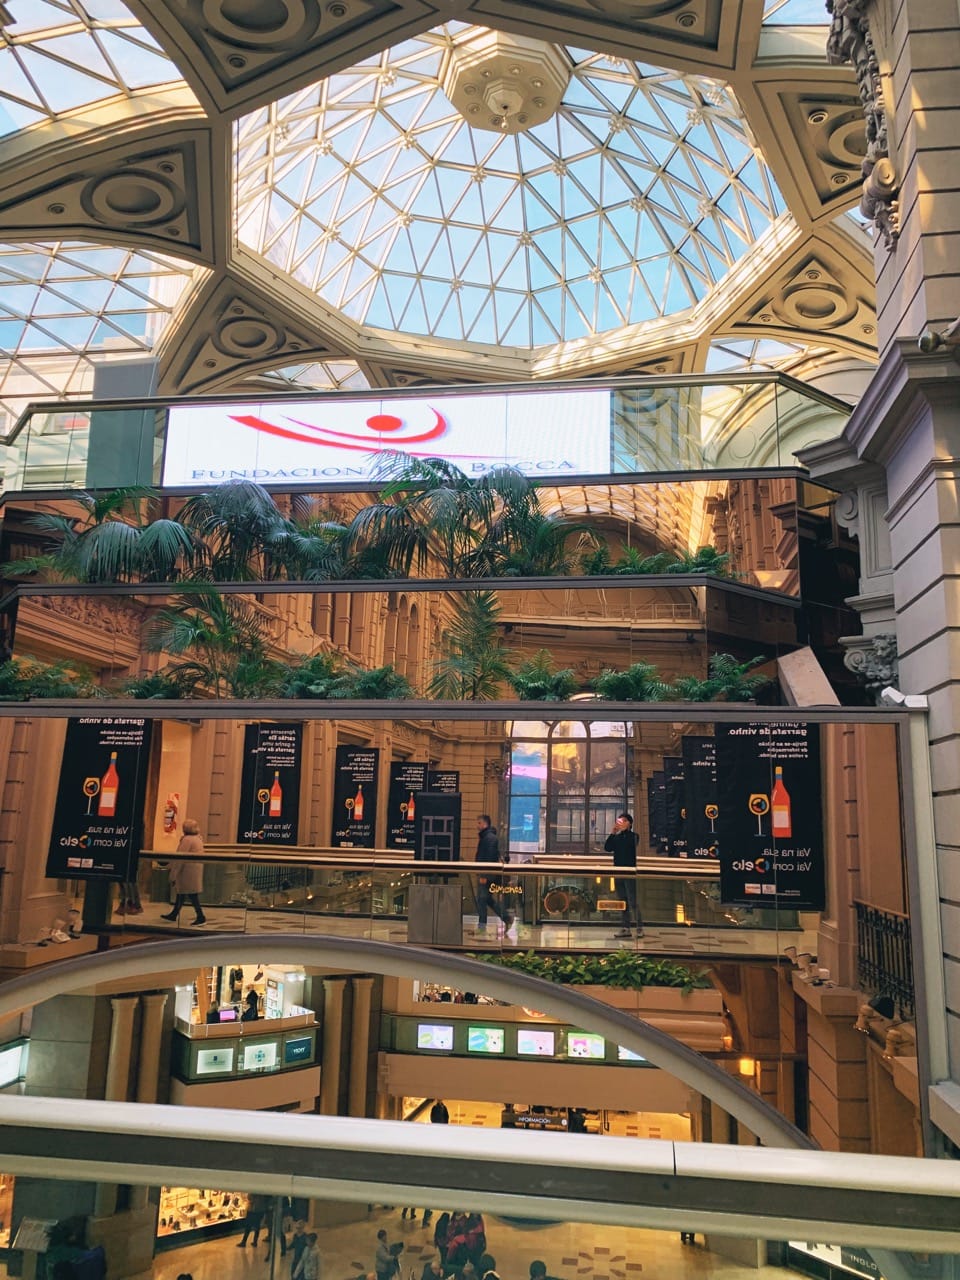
<point x="681" y="210"/>
<point x="636" y="197"/>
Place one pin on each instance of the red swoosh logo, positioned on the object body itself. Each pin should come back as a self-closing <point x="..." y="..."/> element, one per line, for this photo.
<point x="380" y="423"/>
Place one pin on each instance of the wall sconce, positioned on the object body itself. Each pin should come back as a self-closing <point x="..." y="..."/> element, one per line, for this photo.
<point x="808" y="970"/>
<point x="878" y="1007"/>
<point x="747" y="1066"/>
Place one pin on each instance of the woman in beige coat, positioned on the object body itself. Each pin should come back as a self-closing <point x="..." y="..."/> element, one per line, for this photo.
<point x="186" y="878"/>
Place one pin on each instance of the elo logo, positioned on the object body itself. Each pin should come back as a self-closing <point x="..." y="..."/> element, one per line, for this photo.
<point x="759" y="865"/>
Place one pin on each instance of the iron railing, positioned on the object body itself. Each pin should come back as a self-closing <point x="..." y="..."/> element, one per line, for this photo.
<point x="884" y="957"/>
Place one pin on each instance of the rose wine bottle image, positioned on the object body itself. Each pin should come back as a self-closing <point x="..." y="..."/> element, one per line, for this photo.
<point x="411" y="809"/>
<point x="357" y="814"/>
<point x="109" y="786"/>
<point x="780" y="804"/>
<point x="276" y="797"/>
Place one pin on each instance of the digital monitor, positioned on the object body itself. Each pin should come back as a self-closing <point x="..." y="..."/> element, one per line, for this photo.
<point x="485" y="1039"/>
<point x="536" y="1044"/>
<point x="211" y="1062"/>
<point x="260" y="1057"/>
<point x="627" y="1055"/>
<point x="581" y="1044"/>
<point x="228" y="1015"/>
<point x="432" y="1036"/>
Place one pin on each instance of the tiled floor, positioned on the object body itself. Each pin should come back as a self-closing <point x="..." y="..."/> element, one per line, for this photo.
<point x="572" y="1251"/>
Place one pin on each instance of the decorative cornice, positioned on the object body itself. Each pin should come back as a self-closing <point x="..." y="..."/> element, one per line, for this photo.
<point x="850" y="41"/>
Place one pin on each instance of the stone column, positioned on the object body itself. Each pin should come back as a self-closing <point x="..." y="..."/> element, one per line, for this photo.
<point x="359" y="1046"/>
<point x="118" y="1076"/>
<point x="151" y="1030"/>
<point x="333" y="989"/>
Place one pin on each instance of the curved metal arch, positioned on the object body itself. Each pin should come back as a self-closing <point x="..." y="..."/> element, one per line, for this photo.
<point x="389" y="959"/>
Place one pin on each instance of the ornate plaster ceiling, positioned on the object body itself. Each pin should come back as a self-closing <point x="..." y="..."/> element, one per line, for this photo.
<point x="279" y="193"/>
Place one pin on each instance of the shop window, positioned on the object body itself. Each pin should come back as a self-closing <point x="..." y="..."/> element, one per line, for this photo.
<point x="568" y="781"/>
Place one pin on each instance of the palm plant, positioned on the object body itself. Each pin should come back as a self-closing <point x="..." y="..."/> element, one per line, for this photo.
<point x="237" y="521"/>
<point x="633" y="561"/>
<point x="536" y="544"/>
<point x="223" y="641"/>
<point x="726" y="681"/>
<point x="23" y="678"/>
<point x="474" y="663"/>
<point x="114" y="542"/>
<point x="536" y="680"/>
<point x="165" y="683"/>
<point x="429" y="508"/>
<point x="703" y="560"/>
<point x="637" y="683"/>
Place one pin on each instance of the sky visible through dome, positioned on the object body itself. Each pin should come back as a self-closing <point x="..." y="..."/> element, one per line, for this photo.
<point x="630" y="204"/>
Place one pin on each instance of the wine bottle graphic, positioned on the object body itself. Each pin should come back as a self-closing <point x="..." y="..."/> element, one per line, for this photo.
<point x="276" y="797"/>
<point x="411" y="809"/>
<point x="780" y="804"/>
<point x="357" y="813"/>
<point x="109" y="786"/>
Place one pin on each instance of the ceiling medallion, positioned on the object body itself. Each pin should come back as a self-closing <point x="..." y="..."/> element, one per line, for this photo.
<point x="505" y="83"/>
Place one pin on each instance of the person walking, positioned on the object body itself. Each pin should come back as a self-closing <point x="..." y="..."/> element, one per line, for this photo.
<point x="488" y="850"/>
<point x="298" y="1242"/>
<point x="308" y="1268"/>
<point x="622" y="843"/>
<point x="439" y="1113"/>
<point x="186" y="878"/>
<point x="256" y="1207"/>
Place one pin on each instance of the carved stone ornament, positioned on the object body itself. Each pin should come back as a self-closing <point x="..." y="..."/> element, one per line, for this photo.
<point x="875" y="661"/>
<point x="850" y="41"/>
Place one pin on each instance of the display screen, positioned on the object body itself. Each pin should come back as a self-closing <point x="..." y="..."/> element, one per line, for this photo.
<point x="228" y="1015"/>
<point x="298" y="1050"/>
<point x="580" y="1044"/>
<point x="431" y="1036"/>
<point x="627" y="1055"/>
<point x="537" y="1044"/>
<point x="260" y="1057"/>
<point x="485" y="1039"/>
<point x="211" y="1062"/>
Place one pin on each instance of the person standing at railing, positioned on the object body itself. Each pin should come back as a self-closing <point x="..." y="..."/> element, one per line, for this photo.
<point x="622" y="843"/>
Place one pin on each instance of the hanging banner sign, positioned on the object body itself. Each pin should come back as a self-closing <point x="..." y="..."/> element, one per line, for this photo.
<point x="770" y="824"/>
<point x="407" y="779"/>
<point x="270" y="784"/>
<point x="700" y="792"/>
<point x="355" y="798"/>
<point x="446" y="781"/>
<point x="674" y="810"/>
<point x="539" y="432"/>
<point x="98" y="817"/>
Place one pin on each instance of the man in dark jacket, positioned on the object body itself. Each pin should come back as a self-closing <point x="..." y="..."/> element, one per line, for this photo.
<point x="488" y="850"/>
<point x="622" y="843"/>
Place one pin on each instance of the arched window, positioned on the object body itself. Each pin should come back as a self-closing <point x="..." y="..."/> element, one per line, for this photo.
<point x="567" y="781"/>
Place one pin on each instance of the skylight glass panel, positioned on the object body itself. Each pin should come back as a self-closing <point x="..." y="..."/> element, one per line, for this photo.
<point x="60" y="55"/>
<point x="797" y="13"/>
<point x="63" y="307"/>
<point x="380" y="194"/>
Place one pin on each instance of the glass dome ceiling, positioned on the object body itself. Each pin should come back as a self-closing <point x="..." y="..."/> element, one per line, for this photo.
<point x="629" y="205"/>
<point x="59" y="54"/>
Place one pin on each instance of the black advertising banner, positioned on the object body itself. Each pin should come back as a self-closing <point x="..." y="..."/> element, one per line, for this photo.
<point x="653" y="839"/>
<point x="658" y="808"/>
<point x="446" y="781"/>
<point x="770" y="825"/>
<point x="355" y="798"/>
<point x="270" y="784"/>
<point x="407" y="779"/>
<point x="674" y="811"/>
<point x="98" y="817"/>
<point x="700" y="782"/>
